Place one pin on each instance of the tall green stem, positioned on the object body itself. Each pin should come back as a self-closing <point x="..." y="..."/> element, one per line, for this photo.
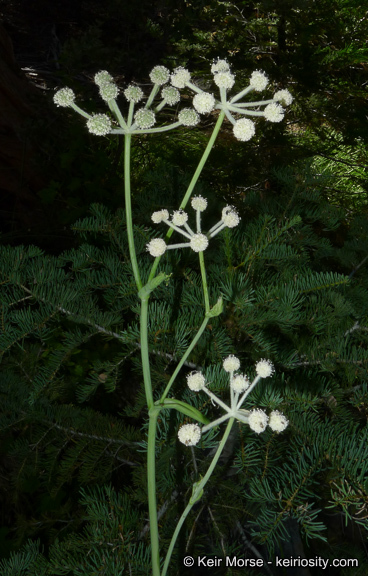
<point x="128" y="208"/>
<point x="203" y="160"/>
<point x="153" y="410"/>
<point x="196" y="495"/>
<point x="193" y="181"/>
<point x="151" y="483"/>
<point x="204" y="282"/>
<point x="145" y="352"/>
<point x="184" y="357"/>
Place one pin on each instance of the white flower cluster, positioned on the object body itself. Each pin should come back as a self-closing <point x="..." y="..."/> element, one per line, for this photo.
<point x="133" y="93"/>
<point x="198" y="241"/>
<point x="144" y="118"/>
<point x="274" y="112"/>
<point x="283" y="96"/>
<point x="180" y="77"/>
<point x="64" y="97"/>
<point x="170" y="95"/>
<point x="244" y="129"/>
<point x="256" y="419"/>
<point x="230" y="217"/>
<point x="188" y="117"/>
<point x="258" y="81"/>
<point x="159" y="75"/>
<point x="109" y="91"/>
<point x="189" y="434"/>
<point x="224" y="80"/>
<point x="203" y="102"/>
<point x="196" y="381"/>
<point x="99" y="124"/>
<point x="220" y="66"/>
<point x="103" y="77"/>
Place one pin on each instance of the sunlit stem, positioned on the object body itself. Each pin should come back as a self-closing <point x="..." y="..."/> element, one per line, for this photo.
<point x="242" y="398"/>
<point x="199" y="487"/>
<point x="80" y="111"/>
<point x="216" y="422"/>
<point x="178" y="229"/>
<point x="241" y="94"/>
<point x="155" y="89"/>
<point x="215" y="399"/>
<point x="193" y="87"/>
<point x="116" y="110"/>
<point x="193" y="182"/>
<point x="183" y="359"/>
<point x="130" y="113"/>
<point x="204" y="282"/>
<point x="128" y="209"/>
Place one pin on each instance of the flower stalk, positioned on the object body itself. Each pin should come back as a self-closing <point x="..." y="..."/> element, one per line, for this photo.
<point x="143" y="121"/>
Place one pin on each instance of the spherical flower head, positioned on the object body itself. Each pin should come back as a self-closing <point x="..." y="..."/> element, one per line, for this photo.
<point x="196" y="381"/>
<point x="133" y="93"/>
<point x="273" y="112"/>
<point x="159" y="216"/>
<point x="109" y="91"/>
<point x="189" y="434"/>
<point x="188" y="117"/>
<point x="64" y="97"/>
<point x="199" y="203"/>
<point x="144" y="118"/>
<point x="230" y="217"/>
<point x="102" y="77"/>
<point x="199" y="242"/>
<point x="264" y="368"/>
<point x="204" y="103"/>
<point x="277" y="421"/>
<point x="258" y="81"/>
<point x="99" y="124"/>
<point x="284" y="97"/>
<point x="244" y="129"/>
<point x="224" y="80"/>
<point x="171" y="95"/>
<point x="179" y="217"/>
<point x="220" y="66"/>
<point x="257" y="420"/>
<point x="156" y="247"/>
<point x="239" y="383"/>
<point x="231" y="363"/>
<point x="180" y="77"/>
<point x="159" y="75"/>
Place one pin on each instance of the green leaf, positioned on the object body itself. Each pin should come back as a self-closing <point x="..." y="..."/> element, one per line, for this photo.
<point x="186" y="409"/>
<point x="216" y="310"/>
<point x="195" y="494"/>
<point x="152" y="284"/>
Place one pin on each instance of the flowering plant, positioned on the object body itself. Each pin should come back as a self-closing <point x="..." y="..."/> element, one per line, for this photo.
<point x="166" y="92"/>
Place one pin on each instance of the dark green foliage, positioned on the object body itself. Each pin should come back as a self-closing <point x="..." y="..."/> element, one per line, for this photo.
<point x="294" y="282"/>
<point x="72" y="386"/>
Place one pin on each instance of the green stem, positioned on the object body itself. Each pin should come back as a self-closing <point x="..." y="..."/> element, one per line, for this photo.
<point x="203" y="160"/>
<point x="196" y="495"/>
<point x="151" y="486"/>
<point x="188" y="351"/>
<point x="204" y="282"/>
<point x="128" y="208"/>
<point x="193" y="181"/>
<point x="145" y="352"/>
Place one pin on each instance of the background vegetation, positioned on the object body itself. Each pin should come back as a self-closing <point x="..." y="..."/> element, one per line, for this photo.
<point x="313" y="165"/>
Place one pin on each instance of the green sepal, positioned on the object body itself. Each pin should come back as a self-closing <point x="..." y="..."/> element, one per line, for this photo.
<point x="195" y="497"/>
<point x="216" y="309"/>
<point x="152" y="284"/>
<point x="184" y="408"/>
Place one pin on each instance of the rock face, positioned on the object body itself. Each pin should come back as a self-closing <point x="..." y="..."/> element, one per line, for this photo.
<point x="19" y="178"/>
